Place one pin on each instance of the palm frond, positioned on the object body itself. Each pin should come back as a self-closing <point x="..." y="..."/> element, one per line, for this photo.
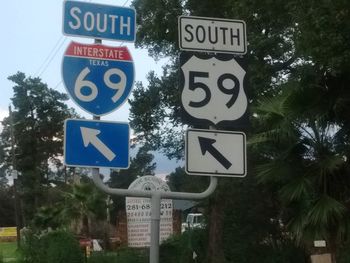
<point x="297" y="189"/>
<point x="271" y="172"/>
<point x="325" y="212"/>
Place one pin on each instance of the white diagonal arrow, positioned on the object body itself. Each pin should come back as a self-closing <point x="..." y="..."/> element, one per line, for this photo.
<point x="90" y="136"/>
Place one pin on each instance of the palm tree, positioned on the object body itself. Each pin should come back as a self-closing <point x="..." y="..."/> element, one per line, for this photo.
<point x="301" y="161"/>
<point x="82" y="204"/>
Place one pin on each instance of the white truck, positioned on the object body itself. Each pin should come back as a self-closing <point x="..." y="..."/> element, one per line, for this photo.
<point x="193" y="220"/>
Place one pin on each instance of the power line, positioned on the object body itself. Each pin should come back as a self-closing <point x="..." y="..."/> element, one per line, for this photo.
<point x="48" y="56"/>
<point x="53" y="56"/>
<point x="59" y="83"/>
<point x="125" y="2"/>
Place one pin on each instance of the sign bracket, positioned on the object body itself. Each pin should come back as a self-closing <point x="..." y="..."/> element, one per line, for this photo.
<point x="156" y="197"/>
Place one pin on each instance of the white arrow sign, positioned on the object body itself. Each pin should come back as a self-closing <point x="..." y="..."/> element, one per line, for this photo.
<point x="215" y="153"/>
<point x="90" y="136"/>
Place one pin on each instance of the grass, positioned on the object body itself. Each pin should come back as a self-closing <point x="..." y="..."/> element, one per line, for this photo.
<point x="8" y="250"/>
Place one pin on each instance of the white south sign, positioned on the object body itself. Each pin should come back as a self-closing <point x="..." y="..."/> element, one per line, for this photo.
<point x="212" y="35"/>
<point x="216" y="153"/>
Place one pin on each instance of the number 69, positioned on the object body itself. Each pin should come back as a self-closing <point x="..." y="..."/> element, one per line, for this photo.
<point x="80" y="83"/>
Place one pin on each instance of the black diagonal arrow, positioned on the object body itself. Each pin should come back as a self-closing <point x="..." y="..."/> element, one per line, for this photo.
<point x="206" y="145"/>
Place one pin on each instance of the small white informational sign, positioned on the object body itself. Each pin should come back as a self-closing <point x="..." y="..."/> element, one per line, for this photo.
<point x="320" y="243"/>
<point x="138" y="212"/>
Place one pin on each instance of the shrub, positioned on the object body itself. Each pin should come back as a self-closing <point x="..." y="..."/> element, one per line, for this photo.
<point x="31" y="250"/>
<point x="54" y="247"/>
<point x="126" y="255"/>
<point x="62" y="247"/>
<point x="180" y="248"/>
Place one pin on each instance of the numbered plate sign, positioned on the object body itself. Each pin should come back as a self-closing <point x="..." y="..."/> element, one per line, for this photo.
<point x="213" y="90"/>
<point x="97" y="77"/>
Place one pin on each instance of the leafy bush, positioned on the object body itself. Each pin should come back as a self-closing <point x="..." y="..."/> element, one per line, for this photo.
<point x="54" y="247"/>
<point x="126" y="255"/>
<point x="180" y="248"/>
<point x="62" y="247"/>
<point x="31" y="248"/>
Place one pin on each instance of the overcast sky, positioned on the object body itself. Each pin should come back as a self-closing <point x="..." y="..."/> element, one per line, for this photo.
<point x="33" y="43"/>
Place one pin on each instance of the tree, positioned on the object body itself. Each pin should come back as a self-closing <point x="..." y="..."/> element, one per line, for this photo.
<point x="302" y="132"/>
<point x="7" y="208"/>
<point x="83" y="203"/>
<point x="179" y="181"/>
<point x="38" y="116"/>
<point x="72" y="206"/>
<point x="303" y="155"/>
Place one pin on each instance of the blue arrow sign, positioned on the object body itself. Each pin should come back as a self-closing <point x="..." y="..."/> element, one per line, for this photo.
<point x="90" y="143"/>
<point x="98" y="78"/>
<point x="99" y="21"/>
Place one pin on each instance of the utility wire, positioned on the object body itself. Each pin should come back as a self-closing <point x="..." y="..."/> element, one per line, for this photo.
<point x="48" y="56"/>
<point x="53" y="56"/>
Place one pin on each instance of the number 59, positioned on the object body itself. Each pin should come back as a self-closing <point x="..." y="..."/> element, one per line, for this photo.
<point x="195" y="84"/>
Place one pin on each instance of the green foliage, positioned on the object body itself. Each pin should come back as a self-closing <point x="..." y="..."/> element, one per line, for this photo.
<point x="76" y="203"/>
<point x="32" y="249"/>
<point x="179" y="181"/>
<point x="37" y="117"/>
<point x="7" y="207"/>
<point x="62" y="247"/>
<point x="156" y="111"/>
<point x="53" y="247"/>
<point x="125" y="255"/>
<point x="180" y="248"/>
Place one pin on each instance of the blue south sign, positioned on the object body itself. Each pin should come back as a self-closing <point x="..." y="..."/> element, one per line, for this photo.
<point x="99" y="21"/>
<point x="90" y="143"/>
<point x="98" y="78"/>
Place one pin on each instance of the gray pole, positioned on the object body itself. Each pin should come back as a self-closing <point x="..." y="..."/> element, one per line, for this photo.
<point x="96" y="171"/>
<point x="14" y="167"/>
<point x="155" y="223"/>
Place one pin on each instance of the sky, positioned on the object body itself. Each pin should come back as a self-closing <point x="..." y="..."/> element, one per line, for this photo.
<point x="33" y="43"/>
